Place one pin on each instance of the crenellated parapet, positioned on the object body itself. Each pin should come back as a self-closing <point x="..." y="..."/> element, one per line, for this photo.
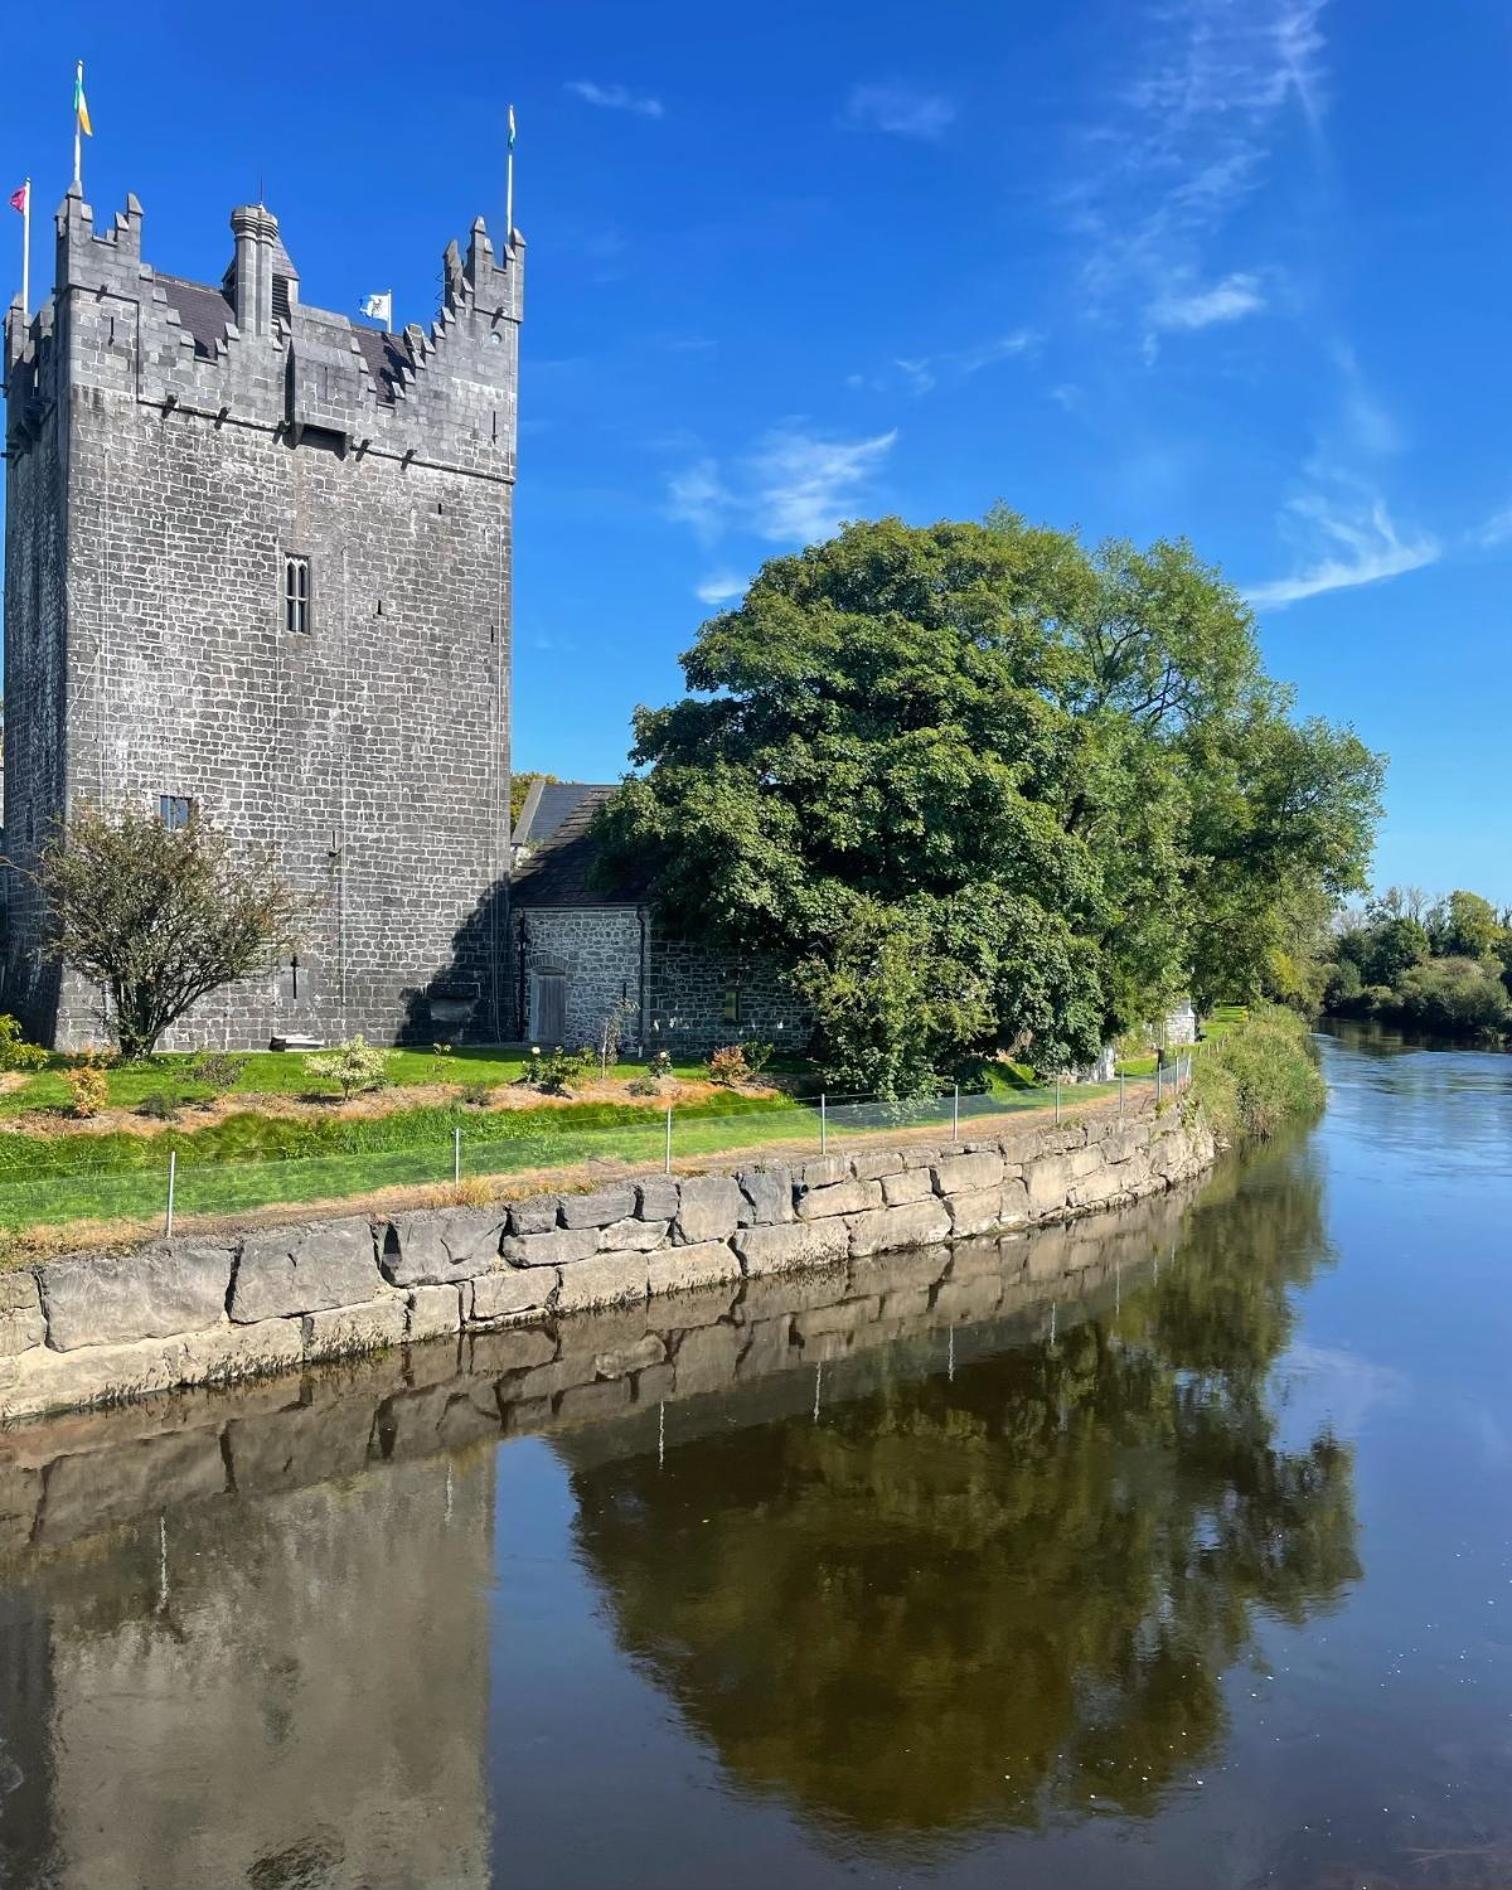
<point x="251" y="353"/>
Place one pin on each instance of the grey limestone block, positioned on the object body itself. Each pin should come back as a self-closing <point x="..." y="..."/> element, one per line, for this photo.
<point x="442" y="1245"/>
<point x="110" y="1299"/>
<point x="561" y="1248"/>
<point x="304" y="1269"/>
<point x="710" y="1208"/>
<point x="21" y="1323"/>
<point x="769" y="1194"/>
<point x="598" y="1209"/>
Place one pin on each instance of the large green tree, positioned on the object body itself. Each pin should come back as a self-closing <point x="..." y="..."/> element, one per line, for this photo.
<point x="979" y="786"/>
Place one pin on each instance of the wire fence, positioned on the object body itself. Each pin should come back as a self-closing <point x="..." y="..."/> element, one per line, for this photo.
<point x="165" y="1189"/>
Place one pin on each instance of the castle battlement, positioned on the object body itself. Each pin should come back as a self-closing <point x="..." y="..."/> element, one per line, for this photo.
<point x="250" y="352"/>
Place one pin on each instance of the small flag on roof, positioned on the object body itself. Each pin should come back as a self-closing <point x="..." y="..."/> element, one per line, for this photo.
<point x="380" y="307"/>
<point x="21" y="199"/>
<point x="81" y="104"/>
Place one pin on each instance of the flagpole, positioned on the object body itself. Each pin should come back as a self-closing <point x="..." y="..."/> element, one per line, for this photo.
<point x="78" y="136"/>
<point x="26" y="252"/>
<point x="509" y="184"/>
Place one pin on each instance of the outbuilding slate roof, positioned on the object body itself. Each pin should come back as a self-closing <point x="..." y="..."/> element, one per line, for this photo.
<point x="555" y="855"/>
<point x="203" y="311"/>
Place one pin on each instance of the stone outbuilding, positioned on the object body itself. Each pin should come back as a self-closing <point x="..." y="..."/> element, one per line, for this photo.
<point x="582" y="954"/>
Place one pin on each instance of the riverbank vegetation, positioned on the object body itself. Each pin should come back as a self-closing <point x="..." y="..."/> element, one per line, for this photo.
<point x="983" y="790"/>
<point x="1260" y="1072"/>
<point x="1440" y="966"/>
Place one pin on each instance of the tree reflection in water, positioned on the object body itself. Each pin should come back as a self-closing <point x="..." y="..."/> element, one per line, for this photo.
<point x="1009" y="1597"/>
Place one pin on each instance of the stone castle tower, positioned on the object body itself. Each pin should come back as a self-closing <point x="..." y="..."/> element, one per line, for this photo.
<point x="257" y="567"/>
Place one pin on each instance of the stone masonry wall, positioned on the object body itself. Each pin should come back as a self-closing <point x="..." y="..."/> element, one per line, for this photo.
<point x="102" y="1328"/>
<point x="599" y="949"/>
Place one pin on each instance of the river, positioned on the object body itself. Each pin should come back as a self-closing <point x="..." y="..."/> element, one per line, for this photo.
<point x="1176" y="1551"/>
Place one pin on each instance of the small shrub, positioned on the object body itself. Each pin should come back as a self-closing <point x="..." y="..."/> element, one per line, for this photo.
<point x="159" y="1107"/>
<point x="758" y="1056"/>
<point x="660" y="1065"/>
<point x="728" y="1066"/>
<point x="218" y="1070"/>
<point x="440" y="1053"/>
<point x="477" y="1095"/>
<point x="555" y="1075"/>
<point x="643" y="1086"/>
<point x="355" y="1065"/>
<point x="88" y="1086"/>
<point x="15" y="1054"/>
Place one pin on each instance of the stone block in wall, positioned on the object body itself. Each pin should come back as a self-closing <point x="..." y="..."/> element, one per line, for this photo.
<point x="710" y="1208"/>
<point x="42" y="1380"/>
<point x="684" y="1269"/>
<point x="621" y="1360"/>
<point x="920" y="1157"/>
<point x="341" y="1330"/>
<point x="612" y="1279"/>
<point x="910" y="1184"/>
<point x="435" y="1312"/>
<point x="769" y="1194"/>
<point x="1048" y="1180"/>
<point x="517" y="1290"/>
<point x="1107" y="1184"/>
<point x="598" y="1209"/>
<point x="978" y="1212"/>
<point x="21" y="1322"/>
<point x="915" y="1224"/>
<point x="108" y="1299"/>
<point x="564" y="1247"/>
<point x="706" y="1358"/>
<point x="444" y="1244"/>
<point x="876" y="1164"/>
<point x="304" y="1269"/>
<point x="657" y="1199"/>
<point x="968" y="1174"/>
<point x="632" y="1235"/>
<point x="538" y="1215"/>
<point x="823" y="1171"/>
<point x="804" y="1244"/>
<point x="839" y="1197"/>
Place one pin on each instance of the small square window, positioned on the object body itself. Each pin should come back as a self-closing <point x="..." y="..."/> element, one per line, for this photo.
<point x="731" y="1004"/>
<point x="297" y="596"/>
<point x="175" y="811"/>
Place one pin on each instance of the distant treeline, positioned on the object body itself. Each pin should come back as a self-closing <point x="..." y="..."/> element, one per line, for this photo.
<point x="1437" y="965"/>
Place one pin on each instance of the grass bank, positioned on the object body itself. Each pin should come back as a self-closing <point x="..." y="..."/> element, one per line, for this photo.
<point x="1259" y="1072"/>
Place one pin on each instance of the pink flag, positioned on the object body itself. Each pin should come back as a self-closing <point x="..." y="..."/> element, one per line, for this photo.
<point x="19" y="197"/>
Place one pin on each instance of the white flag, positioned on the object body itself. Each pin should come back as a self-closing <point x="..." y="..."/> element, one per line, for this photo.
<point x="380" y="307"/>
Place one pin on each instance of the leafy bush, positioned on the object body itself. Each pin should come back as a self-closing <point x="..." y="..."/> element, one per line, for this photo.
<point x="1457" y="997"/>
<point x="643" y="1086"/>
<point x="555" y="1075"/>
<point x="1259" y="1074"/>
<point x="354" y="1065"/>
<point x="88" y="1085"/>
<point x="160" y="1106"/>
<point x="15" y="1054"/>
<point x="728" y="1066"/>
<point x="660" y="1065"/>
<point x="218" y="1070"/>
<point x="758" y="1056"/>
<point x="477" y="1095"/>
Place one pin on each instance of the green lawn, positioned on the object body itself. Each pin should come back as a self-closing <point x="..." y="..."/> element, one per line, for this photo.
<point x="250" y="1161"/>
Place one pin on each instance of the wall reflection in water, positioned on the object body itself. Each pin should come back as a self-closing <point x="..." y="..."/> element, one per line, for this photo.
<point x="954" y="1538"/>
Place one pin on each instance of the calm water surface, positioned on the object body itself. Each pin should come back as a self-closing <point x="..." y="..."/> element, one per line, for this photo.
<point x="1200" y="1575"/>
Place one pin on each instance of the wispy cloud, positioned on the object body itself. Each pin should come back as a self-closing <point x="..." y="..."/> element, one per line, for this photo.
<point x="899" y="109"/>
<point x="922" y="373"/>
<point x="1494" y="531"/>
<point x="616" y="98"/>
<point x="1190" y="308"/>
<point x="1185" y="145"/>
<point x="792" y="487"/>
<point x="1344" y="544"/>
<point x="720" y="588"/>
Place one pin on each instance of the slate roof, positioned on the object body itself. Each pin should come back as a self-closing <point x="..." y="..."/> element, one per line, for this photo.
<point x="203" y="311"/>
<point x="384" y="359"/>
<point x="559" y="855"/>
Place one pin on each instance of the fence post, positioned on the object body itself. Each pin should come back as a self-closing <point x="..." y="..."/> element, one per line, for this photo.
<point x="823" y="1125"/>
<point x="955" y="1116"/>
<point x="667" y="1159"/>
<point x="172" y="1182"/>
<point x="1121" y="1081"/>
<point x="1057" y="1102"/>
<point x="1159" y="1069"/>
<point x="457" y="1157"/>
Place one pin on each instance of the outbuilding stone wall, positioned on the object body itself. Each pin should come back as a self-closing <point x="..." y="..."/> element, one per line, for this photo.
<point x="103" y="1328"/>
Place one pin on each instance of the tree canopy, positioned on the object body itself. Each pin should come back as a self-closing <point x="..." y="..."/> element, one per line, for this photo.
<point x="979" y="786"/>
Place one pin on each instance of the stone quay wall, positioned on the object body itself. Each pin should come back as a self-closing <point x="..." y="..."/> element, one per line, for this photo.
<point x="100" y="1328"/>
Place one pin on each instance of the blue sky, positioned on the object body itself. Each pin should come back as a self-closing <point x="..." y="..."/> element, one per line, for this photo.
<point x="1236" y="269"/>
